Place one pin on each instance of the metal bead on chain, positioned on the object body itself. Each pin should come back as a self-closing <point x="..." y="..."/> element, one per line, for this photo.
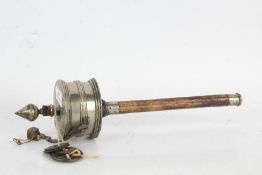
<point x="33" y="134"/>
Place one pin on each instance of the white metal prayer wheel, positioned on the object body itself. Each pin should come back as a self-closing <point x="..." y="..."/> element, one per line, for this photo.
<point x="78" y="108"/>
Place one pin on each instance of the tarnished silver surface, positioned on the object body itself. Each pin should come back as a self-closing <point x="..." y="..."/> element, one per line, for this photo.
<point x="235" y="99"/>
<point x="112" y="108"/>
<point x="78" y="108"/>
<point x="29" y="112"/>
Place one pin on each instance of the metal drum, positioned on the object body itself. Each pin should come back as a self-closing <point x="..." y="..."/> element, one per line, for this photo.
<point x="78" y="108"/>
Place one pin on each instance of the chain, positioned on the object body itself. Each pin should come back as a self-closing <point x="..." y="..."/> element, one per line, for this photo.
<point x="33" y="134"/>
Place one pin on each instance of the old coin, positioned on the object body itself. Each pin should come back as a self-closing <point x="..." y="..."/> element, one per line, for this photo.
<point x="55" y="148"/>
<point x="69" y="154"/>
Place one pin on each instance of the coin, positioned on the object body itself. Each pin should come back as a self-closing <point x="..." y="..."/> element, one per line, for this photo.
<point x="64" y="151"/>
<point x="69" y="154"/>
<point x="55" y="148"/>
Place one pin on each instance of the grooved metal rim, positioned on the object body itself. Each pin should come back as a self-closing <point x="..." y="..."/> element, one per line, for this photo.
<point x="66" y="121"/>
<point x="98" y="104"/>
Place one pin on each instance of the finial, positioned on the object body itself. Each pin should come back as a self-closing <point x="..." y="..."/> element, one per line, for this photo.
<point x="31" y="111"/>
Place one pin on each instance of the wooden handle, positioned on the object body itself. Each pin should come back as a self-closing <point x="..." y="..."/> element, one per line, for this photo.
<point x="172" y="103"/>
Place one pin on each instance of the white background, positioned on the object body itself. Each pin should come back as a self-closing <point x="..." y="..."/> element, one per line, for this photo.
<point x="136" y="49"/>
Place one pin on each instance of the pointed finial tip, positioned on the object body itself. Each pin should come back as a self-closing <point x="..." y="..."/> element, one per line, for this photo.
<point x="29" y="112"/>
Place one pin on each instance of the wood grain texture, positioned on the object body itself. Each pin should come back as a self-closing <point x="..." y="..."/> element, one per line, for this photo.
<point x="173" y="103"/>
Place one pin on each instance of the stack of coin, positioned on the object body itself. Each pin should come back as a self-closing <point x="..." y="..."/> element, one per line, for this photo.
<point x="64" y="153"/>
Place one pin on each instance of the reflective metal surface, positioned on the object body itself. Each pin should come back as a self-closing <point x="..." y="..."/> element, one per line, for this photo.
<point x="235" y="99"/>
<point x="78" y="108"/>
<point x="29" y="112"/>
<point x="111" y="108"/>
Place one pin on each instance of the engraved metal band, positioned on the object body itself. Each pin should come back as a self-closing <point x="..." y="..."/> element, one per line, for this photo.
<point x="112" y="108"/>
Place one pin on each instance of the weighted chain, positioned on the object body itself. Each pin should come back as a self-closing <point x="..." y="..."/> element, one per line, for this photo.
<point x="33" y="134"/>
